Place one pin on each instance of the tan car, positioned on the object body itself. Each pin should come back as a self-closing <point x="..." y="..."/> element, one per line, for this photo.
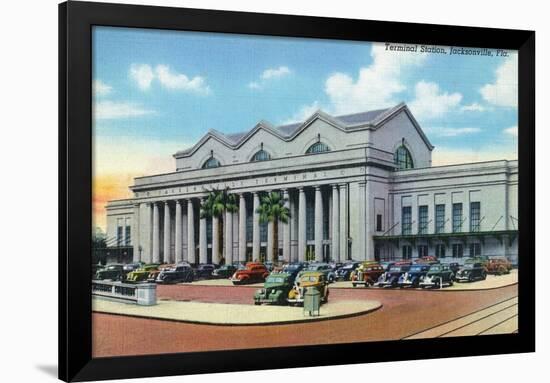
<point x="306" y="280"/>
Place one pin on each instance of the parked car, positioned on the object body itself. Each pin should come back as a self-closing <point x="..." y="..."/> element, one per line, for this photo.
<point x="390" y="278"/>
<point x="438" y="276"/>
<point x="345" y="271"/>
<point x="387" y="264"/>
<point x="113" y="272"/>
<point x="308" y="280"/>
<point x="429" y="260"/>
<point x="225" y="271"/>
<point x="362" y="265"/>
<point x="181" y="272"/>
<point x="293" y="269"/>
<point x="254" y="272"/>
<point x="455" y="266"/>
<point x="153" y="274"/>
<point x="132" y="266"/>
<point x="95" y="268"/>
<point x="479" y="259"/>
<point x="275" y="290"/>
<point x="415" y="274"/>
<point x="323" y="268"/>
<point x="141" y="274"/>
<point x="204" y="271"/>
<point x="367" y="274"/>
<point x="498" y="266"/>
<point x="471" y="271"/>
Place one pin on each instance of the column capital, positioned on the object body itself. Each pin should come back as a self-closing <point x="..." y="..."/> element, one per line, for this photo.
<point x="334" y="186"/>
<point x="301" y="189"/>
<point x="166" y="202"/>
<point x="178" y="202"/>
<point x="362" y="183"/>
<point x="343" y="185"/>
<point x="317" y="187"/>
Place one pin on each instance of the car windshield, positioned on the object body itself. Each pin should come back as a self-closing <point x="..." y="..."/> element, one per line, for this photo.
<point x="275" y="280"/>
<point x="291" y="267"/>
<point x="435" y="268"/>
<point x="309" y="278"/>
<point x="348" y="266"/>
<point x="112" y="267"/>
<point x="395" y="268"/>
<point x="416" y="269"/>
<point x="469" y="265"/>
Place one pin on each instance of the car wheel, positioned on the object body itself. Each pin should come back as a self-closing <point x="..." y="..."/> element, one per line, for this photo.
<point x="256" y="303"/>
<point x="354" y="284"/>
<point x="451" y="282"/>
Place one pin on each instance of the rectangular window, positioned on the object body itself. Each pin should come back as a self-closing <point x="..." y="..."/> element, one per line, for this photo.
<point x="407" y="252"/>
<point x="406" y="221"/>
<point x="440" y="250"/>
<point x="439" y="218"/>
<point x="475" y="218"/>
<point x="423" y="219"/>
<point x="458" y="250"/>
<point x="379" y="222"/>
<point x="119" y="235"/>
<point x="128" y="235"/>
<point x="457" y="217"/>
<point x="475" y="249"/>
<point x="422" y="251"/>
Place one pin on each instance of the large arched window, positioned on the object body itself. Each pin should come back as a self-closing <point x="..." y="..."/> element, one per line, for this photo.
<point x="403" y="158"/>
<point x="261" y="155"/>
<point x="211" y="163"/>
<point x="318" y="147"/>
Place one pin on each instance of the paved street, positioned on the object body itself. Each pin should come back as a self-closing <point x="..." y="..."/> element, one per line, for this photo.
<point x="404" y="313"/>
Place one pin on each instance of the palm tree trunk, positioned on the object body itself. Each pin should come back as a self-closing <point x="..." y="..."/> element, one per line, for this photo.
<point x="220" y="240"/>
<point x="275" y="240"/>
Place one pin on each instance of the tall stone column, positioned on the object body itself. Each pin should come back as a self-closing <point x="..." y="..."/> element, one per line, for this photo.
<point x="286" y="230"/>
<point x="228" y="237"/>
<point x="369" y="221"/>
<point x="301" y="225"/>
<point x="343" y="207"/>
<point x="179" y="233"/>
<point x="362" y="222"/>
<point x="318" y="224"/>
<point x="256" y="229"/>
<point x="203" y="246"/>
<point x="190" y="232"/>
<point x="335" y="240"/>
<point x="156" y="233"/>
<point x="167" y="258"/>
<point x="270" y="241"/>
<point x="216" y="240"/>
<point x="242" y="228"/>
<point x="135" y="234"/>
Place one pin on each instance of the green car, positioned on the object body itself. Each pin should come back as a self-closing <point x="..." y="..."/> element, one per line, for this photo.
<point x="142" y="274"/>
<point x="275" y="290"/>
<point x="438" y="276"/>
<point x="111" y="272"/>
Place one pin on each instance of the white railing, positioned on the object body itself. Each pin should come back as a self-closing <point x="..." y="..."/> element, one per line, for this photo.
<point x="144" y="294"/>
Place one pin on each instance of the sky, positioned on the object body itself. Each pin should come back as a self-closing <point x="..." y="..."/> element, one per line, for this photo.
<point x="156" y="92"/>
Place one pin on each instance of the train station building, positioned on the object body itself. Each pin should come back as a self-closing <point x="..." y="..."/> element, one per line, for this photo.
<point x="359" y="186"/>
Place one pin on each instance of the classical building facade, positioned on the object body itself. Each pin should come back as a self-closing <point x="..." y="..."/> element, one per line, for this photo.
<point x="358" y="186"/>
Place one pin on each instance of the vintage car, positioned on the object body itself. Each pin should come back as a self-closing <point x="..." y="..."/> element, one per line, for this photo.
<point x="153" y="274"/>
<point x="181" y="272"/>
<point x="471" y="271"/>
<point x="132" y="266"/>
<point x="309" y="280"/>
<point x="498" y="266"/>
<point x="141" y="274"/>
<point x="415" y="274"/>
<point x="479" y="259"/>
<point x="95" y="268"/>
<point x="344" y="273"/>
<point x="455" y="266"/>
<point x="275" y="290"/>
<point x="429" y="260"/>
<point x="390" y="278"/>
<point x="113" y="272"/>
<point x="225" y="271"/>
<point x="438" y="276"/>
<point x="254" y="272"/>
<point x="366" y="274"/>
<point x="204" y="271"/>
<point x="293" y="269"/>
<point x="323" y="268"/>
<point x="387" y="264"/>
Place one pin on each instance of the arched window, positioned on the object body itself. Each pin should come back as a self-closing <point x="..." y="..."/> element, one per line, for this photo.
<point x="261" y="155"/>
<point x="403" y="158"/>
<point x="211" y="163"/>
<point x="318" y="147"/>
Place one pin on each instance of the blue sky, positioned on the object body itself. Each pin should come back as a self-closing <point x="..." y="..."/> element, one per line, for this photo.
<point x="156" y="92"/>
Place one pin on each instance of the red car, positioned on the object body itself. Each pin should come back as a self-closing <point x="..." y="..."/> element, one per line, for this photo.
<point x="498" y="266"/>
<point x="428" y="260"/>
<point x="252" y="273"/>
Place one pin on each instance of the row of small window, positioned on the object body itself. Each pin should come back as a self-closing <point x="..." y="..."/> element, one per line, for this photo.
<point x="457" y="250"/>
<point x="123" y="235"/>
<point x="457" y="218"/>
<point x="262" y="155"/>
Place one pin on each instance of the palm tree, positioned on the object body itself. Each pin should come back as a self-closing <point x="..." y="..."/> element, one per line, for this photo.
<point x="273" y="209"/>
<point x="214" y="206"/>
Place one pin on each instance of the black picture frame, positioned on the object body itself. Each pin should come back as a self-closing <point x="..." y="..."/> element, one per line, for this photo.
<point x="75" y="189"/>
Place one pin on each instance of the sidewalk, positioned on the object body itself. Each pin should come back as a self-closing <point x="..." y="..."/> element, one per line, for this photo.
<point x="233" y="314"/>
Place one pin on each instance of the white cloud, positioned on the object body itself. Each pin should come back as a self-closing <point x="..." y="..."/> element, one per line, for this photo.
<point x="451" y="132"/>
<point x="431" y="103"/>
<point x="449" y="156"/>
<point x="376" y="85"/>
<point x="254" y="85"/>
<point x="512" y="131"/>
<point x="142" y="74"/>
<point x="504" y="91"/>
<point x="304" y="113"/>
<point x="179" y="81"/>
<point x="474" y="107"/>
<point x="99" y="88"/>
<point x="108" y="110"/>
<point x="275" y="72"/>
